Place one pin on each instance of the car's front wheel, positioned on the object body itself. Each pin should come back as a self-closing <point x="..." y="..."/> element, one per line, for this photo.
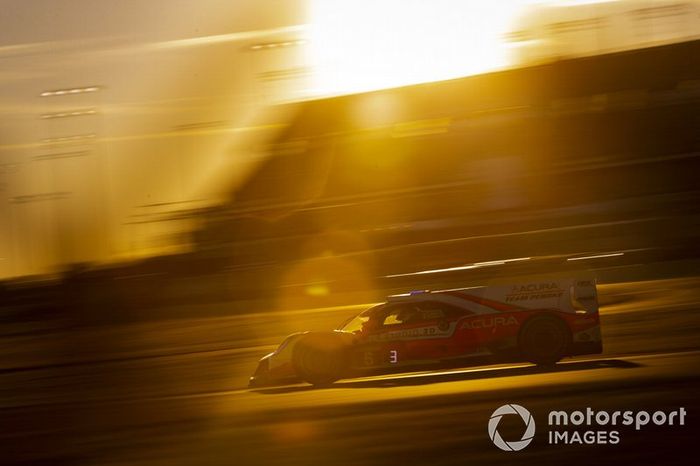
<point x="544" y="340"/>
<point x="320" y="359"/>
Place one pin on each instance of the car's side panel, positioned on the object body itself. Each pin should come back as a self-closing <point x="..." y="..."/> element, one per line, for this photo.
<point x="471" y="335"/>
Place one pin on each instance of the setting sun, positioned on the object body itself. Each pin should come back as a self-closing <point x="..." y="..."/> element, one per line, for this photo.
<point x="364" y="45"/>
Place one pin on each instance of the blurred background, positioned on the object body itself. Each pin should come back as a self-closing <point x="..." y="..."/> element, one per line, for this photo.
<point x="189" y="131"/>
<point x="181" y="177"/>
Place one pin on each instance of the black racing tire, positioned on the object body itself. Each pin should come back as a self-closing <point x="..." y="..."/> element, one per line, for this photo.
<point x="320" y="358"/>
<point x="544" y="340"/>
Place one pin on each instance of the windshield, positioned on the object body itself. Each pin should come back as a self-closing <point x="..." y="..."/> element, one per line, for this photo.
<point x="354" y="324"/>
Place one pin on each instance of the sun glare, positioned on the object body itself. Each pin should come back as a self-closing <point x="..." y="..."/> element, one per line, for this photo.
<point x="362" y="45"/>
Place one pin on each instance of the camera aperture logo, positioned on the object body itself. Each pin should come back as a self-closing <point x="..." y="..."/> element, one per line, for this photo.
<point x="582" y="426"/>
<point x="527" y="418"/>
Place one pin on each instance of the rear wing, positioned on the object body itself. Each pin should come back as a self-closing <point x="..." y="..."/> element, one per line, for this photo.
<point x="572" y="295"/>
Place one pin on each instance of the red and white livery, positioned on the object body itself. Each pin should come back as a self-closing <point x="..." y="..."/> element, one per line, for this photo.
<point x="539" y="320"/>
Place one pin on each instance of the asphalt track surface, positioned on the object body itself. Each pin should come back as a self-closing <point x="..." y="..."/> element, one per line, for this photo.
<point x="189" y="406"/>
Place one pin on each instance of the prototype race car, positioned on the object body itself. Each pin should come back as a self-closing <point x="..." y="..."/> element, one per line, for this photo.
<point x="538" y="321"/>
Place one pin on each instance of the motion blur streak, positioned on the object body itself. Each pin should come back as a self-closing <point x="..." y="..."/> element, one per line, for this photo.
<point x="236" y="36"/>
<point x="597" y="256"/>
<point x="462" y="267"/>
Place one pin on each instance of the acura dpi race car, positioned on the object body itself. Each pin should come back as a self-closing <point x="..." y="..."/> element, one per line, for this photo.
<point x="538" y="321"/>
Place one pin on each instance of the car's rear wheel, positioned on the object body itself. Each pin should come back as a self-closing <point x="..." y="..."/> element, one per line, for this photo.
<point x="544" y="340"/>
<point x="320" y="359"/>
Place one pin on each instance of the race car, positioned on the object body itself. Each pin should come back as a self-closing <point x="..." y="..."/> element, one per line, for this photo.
<point x="540" y="321"/>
